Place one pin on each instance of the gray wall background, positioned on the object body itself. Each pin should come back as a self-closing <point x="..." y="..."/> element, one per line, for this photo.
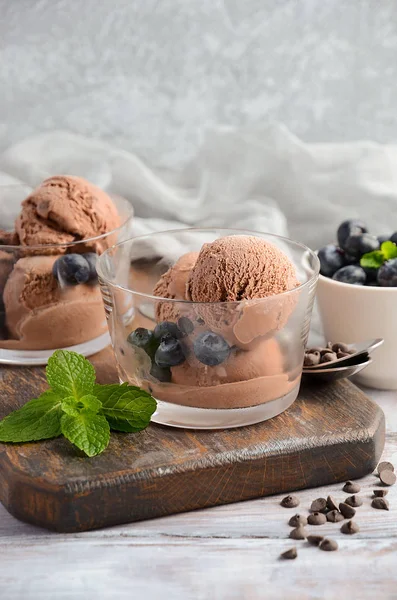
<point x="151" y="75"/>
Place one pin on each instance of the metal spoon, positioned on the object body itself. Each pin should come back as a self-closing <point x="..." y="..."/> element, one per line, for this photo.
<point x="332" y="374"/>
<point x="362" y="350"/>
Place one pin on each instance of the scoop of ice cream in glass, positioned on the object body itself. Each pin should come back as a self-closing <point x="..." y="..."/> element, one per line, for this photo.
<point x="217" y="330"/>
<point x="50" y="239"/>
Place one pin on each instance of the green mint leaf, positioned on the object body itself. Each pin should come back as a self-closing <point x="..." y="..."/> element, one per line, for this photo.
<point x="89" y="432"/>
<point x="124" y="426"/>
<point x="86" y="404"/>
<point x="70" y="374"/>
<point x="103" y="392"/>
<point x="39" y="419"/>
<point x="372" y="260"/>
<point x="131" y="405"/>
<point x="389" y="250"/>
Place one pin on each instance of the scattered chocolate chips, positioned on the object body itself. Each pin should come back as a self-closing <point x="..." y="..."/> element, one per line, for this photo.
<point x="380" y="493"/>
<point x="387" y="477"/>
<point x="319" y="505"/>
<point x="317" y="518"/>
<point x="380" y="503"/>
<point x="347" y="511"/>
<point x="334" y="516"/>
<point x="354" y="501"/>
<point x="331" y="503"/>
<point x="289" y="554"/>
<point x="350" y="528"/>
<point x="351" y="488"/>
<point x="328" y="545"/>
<point x="315" y="540"/>
<point x="297" y="520"/>
<point x="299" y="533"/>
<point x="385" y="466"/>
<point x="290" y="502"/>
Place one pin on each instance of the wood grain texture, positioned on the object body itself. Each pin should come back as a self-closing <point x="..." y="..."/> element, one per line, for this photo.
<point x="331" y="433"/>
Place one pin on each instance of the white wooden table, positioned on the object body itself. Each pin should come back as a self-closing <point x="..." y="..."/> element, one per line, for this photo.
<point x="229" y="552"/>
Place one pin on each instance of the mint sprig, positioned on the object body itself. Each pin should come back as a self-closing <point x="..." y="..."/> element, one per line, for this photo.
<point x="375" y="259"/>
<point x="84" y="412"/>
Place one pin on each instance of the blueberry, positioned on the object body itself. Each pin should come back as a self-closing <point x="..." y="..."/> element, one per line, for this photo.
<point x="163" y="374"/>
<point x="71" y="269"/>
<point x="143" y="338"/>
<point x="331" y="259"/>
<point x="351" y="274"/>
<point x="387" y="274"/>
<point x="167" y="328"/>
<point x="211" y="349"/>
<point x="185" y="325"/>
<point x="348" y="228"/>
<point x="383" y="238"/>
<point x="360" y="243"/>
<point x="91" y="258"/>
<point x="169" y="353"/>
<point x="372" y="275"/>
<point x="393" y="238"/>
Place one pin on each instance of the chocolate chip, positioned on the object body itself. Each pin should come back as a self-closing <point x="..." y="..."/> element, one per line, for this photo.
<point x="380" y="493"/>
<point x="331" y="503"/>
<point x="339" y="347"/>
<point x="316" y="349"/>
<point x="319" y="505"/>
<point x="297" y="520"/>
<point x="290" y="502"/>
<point x="328" y="545"/>
<point x="289" y="554"/>
<point x="328" y="357"/>
<point x="385" y="466"/>
<point x="317" y="518"/>
<point x="311" y="359"/>
<point x="334" y="516"/>
<point x="380" y="503"/>
<point x="342" y="354"/>
<point x="350" y="528"/>
<point x="347" y="511"/>
<point x="387" y="477"/>
<point x="315" y="540"/>
<point x="351" y="488"/>
<point x="354" y="501"/>
<point x="299" y="533"/>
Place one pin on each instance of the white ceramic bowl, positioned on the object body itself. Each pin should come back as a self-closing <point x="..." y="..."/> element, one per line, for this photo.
<point x="353" y="313"/>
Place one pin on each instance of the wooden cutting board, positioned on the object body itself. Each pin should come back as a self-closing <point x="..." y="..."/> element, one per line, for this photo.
<point x="331" y="433"/>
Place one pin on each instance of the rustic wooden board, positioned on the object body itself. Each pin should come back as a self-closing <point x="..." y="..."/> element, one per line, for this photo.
<point x="330" y="434"/>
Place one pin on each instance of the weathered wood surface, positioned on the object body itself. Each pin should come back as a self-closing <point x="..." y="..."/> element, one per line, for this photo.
<point x="330" y="434"/>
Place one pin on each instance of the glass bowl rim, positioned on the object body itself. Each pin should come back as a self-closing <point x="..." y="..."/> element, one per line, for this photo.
<point x="37" y="247"/>
<point x="299" y="287"/>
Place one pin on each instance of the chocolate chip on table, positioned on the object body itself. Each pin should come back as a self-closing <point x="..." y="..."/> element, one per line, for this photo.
<point x="351" y="488"/>
<point x="328" y="545"/>
<point x="297" y="520"/>
<point x="331" y="503"/>
<point x="380" y="503"/>
<point x="354" y="501"/>
<point x="315" y="540"/>
<point x="347" y="511"/>
<point x="385" y="466"/>
<point x="350" y="528"/>
<point x="380" y="493"/>
<point x="289" y="554"/>
<point x="319" y="505"/>
<point x="387" y="477"/>
<point x="290" y="502"/>
<point x="311" y="359"/>
<point x="299" y="533"/>
<point x="317" y="518"/>
<point x="334" y="516"/>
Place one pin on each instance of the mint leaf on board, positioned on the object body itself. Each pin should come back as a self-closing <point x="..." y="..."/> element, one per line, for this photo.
<point x="86" y="404"/>
<point x="70" y="374"/>
<point x="87" y="431"/>
<point x="372" y="260"/>
<point x="38" y="419"/>
<point x="128" y="406"/>
<point x="389" y="250"/>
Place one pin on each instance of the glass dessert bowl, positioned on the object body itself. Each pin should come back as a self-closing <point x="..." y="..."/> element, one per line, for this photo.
<point x="213" y="323"/>
<point x="50" y="238"/>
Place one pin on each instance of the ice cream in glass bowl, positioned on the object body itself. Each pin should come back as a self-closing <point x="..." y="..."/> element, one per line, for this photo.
<point x="213" y="323"/>
<point x="50" y="238"/>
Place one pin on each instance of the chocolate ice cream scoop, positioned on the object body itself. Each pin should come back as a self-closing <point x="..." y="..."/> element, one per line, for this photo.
<point x="173" y="285"/>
